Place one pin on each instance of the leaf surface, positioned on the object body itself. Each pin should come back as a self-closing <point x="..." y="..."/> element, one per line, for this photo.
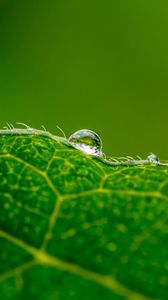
<point x="72" y="227"/>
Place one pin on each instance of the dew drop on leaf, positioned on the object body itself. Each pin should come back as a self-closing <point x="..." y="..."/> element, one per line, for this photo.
<point x="86" y="141"/>
<point x="153" y="159"/>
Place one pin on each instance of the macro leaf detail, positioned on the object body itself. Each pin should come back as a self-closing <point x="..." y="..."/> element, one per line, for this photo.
<point x="72" y="227"/>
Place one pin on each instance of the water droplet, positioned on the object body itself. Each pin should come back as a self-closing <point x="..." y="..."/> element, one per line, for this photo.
<point x="153" y="158"/>
<point x="86" y="141"/>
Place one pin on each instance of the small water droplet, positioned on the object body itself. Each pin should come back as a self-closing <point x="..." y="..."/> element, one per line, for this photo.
<point x="86" y="141"/>
<point x="153" y="158"/>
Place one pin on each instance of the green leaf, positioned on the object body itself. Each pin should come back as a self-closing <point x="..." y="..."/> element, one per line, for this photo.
<point x="72" y="227"/>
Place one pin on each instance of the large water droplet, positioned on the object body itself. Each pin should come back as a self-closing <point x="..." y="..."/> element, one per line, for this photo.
<point x="153" y="158"/>
<point x="86" y="141"/>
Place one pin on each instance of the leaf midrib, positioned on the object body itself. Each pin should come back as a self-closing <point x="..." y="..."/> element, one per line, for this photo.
<point x="42" y="258"/>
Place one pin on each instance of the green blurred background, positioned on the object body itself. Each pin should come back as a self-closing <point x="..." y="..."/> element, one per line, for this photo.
<point x="101" y="65"/>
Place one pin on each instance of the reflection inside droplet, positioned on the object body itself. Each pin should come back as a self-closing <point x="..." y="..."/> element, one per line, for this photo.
<point x="153" y="158"/>
<point x="86" y="141"/>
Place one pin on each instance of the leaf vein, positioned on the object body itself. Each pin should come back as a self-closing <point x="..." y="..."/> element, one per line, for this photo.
<point x="43" y="258"/>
